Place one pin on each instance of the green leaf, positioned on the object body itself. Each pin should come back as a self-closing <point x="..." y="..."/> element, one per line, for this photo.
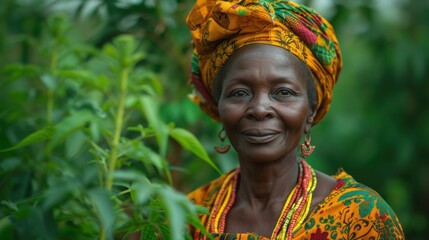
<point x="189" y="142"/>
<point x="16" y="71"/>
<point x="6" y="228"/>
<point x="141" y="192"/>
<point x="74" y="144"/>
<point x="125" y="44"/>
<point x="141" y="188"/>
<point x="131" y="101"/>
<point x="95" y="130"/>
<point x="35" y="137"/>
<point x="175" y="212"/>
<point x="142" y="153"/>
<point x="110" y="50"/>
<point x="129" y="175"/>
<point x="82" y="76"/>
<point x="165" y="231"/>
<point x="150" y="109"/>
<point x="9" y="164"/>
<point x="70" y="124"/>
<point x="49" y="81"/>
<point x="104" y="208"/>
<point x="58" y="25"/>
<point x="148" y="232"/>
<point x="9" y="206"/>
<point x="156" y="84"/>
<point x="58" y="194"/>
<point x="138" y="56"/>
<point x="144" y="132"/>
<point x="201" y="209"/>
<point x="147" y="90"/>
<point x="148" y="82"/>
<point x="102" y="82"/>
<point x="98" y="150"/>
<point x="196" y="222"/>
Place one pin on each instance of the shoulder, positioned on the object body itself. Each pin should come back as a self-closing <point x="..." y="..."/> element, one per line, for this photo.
<point x="205" y="195"/>
<point x="349" y="192"/>
<point x="355" y="209"/>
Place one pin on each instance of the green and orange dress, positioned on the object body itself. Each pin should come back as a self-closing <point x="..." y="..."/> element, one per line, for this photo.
<point x="351" y="211"/>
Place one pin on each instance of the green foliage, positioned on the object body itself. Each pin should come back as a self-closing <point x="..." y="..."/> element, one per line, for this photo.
<point x="35" y="137"/>
<point x="191" y="143"/>
<point x="81" y="173"/>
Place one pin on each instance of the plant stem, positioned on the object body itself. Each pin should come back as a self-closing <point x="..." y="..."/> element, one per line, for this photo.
<point x="118" y="126"/>
<point x="102" y="233"/>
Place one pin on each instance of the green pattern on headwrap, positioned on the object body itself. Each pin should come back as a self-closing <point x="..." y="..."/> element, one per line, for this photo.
<point x="194" y="64"/>
<point x="323" y="55"/>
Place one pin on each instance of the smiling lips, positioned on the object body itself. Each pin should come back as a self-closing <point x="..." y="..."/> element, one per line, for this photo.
<point x="260" y="136"/>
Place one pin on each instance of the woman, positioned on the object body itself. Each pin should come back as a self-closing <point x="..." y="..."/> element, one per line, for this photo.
<point x="266" y="70"/>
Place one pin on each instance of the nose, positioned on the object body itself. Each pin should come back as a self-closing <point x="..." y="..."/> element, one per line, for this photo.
<point x="260" y="108"/>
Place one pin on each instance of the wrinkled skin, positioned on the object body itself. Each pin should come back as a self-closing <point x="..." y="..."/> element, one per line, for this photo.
<point x="264" y="107"/>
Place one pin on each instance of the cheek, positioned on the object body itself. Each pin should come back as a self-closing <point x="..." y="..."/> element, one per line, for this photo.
<point x="230" y="115"/>
<point x="295" y="120"/>
<point x="227" y="111"/>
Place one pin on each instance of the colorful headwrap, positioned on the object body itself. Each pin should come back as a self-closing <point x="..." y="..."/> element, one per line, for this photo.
<point x="219" y="28"/>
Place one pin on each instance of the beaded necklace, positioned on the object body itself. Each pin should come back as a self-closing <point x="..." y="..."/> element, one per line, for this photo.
<point x="294" y="212"/>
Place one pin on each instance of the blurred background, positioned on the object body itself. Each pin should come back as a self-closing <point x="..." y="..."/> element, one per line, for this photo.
<point x="377" y="128"/>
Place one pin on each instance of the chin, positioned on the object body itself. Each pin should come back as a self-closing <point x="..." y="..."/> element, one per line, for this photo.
<point x="261" y="154"/>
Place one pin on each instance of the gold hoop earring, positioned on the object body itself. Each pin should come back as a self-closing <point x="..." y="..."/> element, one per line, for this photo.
<point x="222" y="137"/>
<point x="306" y="148"/>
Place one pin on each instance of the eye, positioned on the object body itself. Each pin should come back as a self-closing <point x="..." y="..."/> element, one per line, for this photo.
<point x="239" y="93"/>
<point x="282" y="92"/>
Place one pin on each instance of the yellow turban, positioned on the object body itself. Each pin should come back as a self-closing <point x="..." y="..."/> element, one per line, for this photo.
<point x="219" y="28"/>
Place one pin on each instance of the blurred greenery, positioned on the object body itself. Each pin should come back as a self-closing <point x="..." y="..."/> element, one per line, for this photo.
<point x="59" y="79"/>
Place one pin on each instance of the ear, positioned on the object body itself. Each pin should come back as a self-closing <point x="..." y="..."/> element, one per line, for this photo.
<point x="310" y="120"/>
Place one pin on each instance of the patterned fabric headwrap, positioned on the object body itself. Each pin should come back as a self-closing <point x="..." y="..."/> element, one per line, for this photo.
<point x="219" y="28"/>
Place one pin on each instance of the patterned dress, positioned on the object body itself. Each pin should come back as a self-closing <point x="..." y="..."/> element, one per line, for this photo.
<point x="351" y="211"/>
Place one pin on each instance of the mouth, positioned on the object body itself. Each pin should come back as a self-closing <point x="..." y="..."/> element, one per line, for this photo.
<point x="260" y="136"/>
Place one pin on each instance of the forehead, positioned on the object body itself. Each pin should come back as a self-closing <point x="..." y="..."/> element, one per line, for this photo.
<point x="262" y="59"/>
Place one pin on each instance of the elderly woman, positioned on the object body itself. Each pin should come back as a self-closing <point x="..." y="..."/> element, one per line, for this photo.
<point x="266" y="69"/>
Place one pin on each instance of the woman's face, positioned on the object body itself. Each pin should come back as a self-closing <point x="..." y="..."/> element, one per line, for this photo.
<point x="263" y="102"/>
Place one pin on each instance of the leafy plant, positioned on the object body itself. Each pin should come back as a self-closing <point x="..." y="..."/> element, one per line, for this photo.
<point x="83" y="172"/>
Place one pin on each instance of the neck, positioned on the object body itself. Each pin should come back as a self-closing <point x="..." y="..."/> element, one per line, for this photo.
<point x="262" y="184"/>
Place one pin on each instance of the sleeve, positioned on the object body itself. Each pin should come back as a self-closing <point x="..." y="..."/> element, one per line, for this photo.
<point x="356" y="213"/>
